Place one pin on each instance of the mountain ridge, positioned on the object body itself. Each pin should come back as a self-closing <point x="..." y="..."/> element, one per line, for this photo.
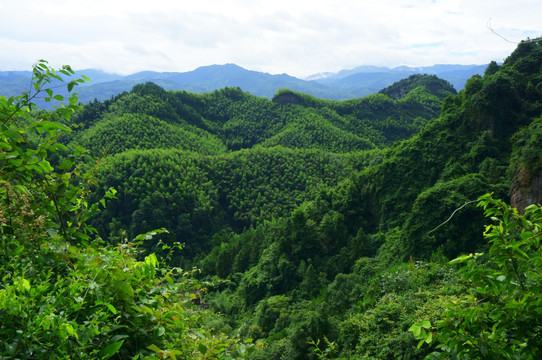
<point x="346" y="84"/>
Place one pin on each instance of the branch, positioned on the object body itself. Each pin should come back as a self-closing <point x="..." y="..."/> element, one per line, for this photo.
<point x="499" y="35"/>
<point x="451" y="216"/>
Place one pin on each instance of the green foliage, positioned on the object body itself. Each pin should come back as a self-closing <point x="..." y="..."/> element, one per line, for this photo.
<point x="336" y="257"/>
<point x="527" y="152"/>
<point x="499" y="316"/>
<point x="113" y="135"/>
<point x="314" y="249"/>
<point x="436" y="86"/>
<point x="64" y="294"/>
<point x="196" y="196"/>
<point x="451" y="225"/>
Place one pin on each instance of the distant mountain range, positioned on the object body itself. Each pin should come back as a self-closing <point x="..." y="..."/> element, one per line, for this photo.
<point x="345" y="84"/>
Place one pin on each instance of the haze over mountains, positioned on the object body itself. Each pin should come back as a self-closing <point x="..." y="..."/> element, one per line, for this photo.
<point x="345" y="84"/>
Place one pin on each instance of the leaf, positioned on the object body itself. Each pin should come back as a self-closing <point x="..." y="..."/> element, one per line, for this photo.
<point x="119" y="337"/>
<point x="18" y="250"/>
<point x="426" y="324"/>
<point x="66" y="164"/>
<point x="124" y="290"/>
<point x="111" y="308"/>
<point x="416" y="330"/>
<point x="24" y="284"/>
<point x="110" y="350"/>
<point x="69" y="330"/>
<point x="14" y="135"/>
<point x="420" y="343"/>
<point x="154" y="348"/>
<point x="202" y="349"/>
<point x="45" y="166"/>
<point x="151" y="260"/>
<point x="50" y="125"/>
<point x="161" y="331"/>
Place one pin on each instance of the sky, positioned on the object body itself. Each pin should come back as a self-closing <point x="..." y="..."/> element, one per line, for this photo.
<point x="299" y="38"/>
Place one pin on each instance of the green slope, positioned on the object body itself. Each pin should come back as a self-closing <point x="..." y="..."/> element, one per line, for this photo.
<point x="335" y="267"/>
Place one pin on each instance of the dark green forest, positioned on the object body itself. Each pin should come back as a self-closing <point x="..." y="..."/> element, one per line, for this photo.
<point x="168" y="224"/>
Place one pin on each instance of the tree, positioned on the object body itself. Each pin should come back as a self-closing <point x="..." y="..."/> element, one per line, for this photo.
<point x="500" y="317"/>
<point x="64" y="294"/>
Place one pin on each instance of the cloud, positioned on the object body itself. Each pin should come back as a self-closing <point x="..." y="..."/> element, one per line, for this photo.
<point x="296" y="37"/>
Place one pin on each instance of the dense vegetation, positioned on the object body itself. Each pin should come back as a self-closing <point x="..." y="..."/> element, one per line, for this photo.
<point x="320" y="229"/>
<point x="199" y="165"/>
<point x="65" y="293"/>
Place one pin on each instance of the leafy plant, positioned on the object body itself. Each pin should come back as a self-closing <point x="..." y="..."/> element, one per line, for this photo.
<point x="64" y="294"/>
<point x="501" y="314"/>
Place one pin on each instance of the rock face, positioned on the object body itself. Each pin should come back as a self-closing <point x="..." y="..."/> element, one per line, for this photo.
<point x="526" y="189"/>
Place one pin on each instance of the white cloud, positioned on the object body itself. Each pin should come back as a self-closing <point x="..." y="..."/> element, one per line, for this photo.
<point x="296" y="37"/>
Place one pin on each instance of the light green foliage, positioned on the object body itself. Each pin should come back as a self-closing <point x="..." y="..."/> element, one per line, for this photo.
<point x="117" y="134"/>
<point x="412" y="199"/>
<point x="500" y="314"/>
<point x="196" y="196"/>
<point x="323" y="252"/>
<point x="64" y="294"/>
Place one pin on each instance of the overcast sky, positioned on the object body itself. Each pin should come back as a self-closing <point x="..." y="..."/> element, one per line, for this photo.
<point x="280" y="36"/>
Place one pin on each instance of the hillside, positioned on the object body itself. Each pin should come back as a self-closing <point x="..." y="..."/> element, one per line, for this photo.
<point x="184" y="148"/>
<point x="368" y="228"/>
<point x="293" y="232"/>
<point x="333" y="267"/>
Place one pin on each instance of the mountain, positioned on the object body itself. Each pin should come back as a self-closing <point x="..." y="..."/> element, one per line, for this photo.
<point x="363" y="261"/>
<point x="311" y="228"/>
<point x="346" y="84"/>
<point x="374" y="78"/>
<point x="281" y="150"/>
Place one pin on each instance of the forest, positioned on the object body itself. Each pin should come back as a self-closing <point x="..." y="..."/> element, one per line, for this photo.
<point x="174" y="225"/>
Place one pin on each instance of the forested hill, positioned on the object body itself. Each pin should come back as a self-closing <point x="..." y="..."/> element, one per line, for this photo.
<point x="308" y="207"/>
<point x="364" y="260"/>
<point x="316" y="229"/>
<point x="239" y="120"/>
<point x="175" y="157"/>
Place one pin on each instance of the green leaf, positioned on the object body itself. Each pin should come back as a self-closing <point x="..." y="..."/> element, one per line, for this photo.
<point x="154" y="348"/>
<point x="202" y="349"/>
<point x="23" y="284"/>
<point x="461" y="259"/>
<point x="45" y="166"/>
<point x="161" y="331"/>
<point x="110" y="350"/>
<point x="111" y="308"/>
<point x="420" y="343"/>
<point x="50" y="125"/>
<point x="17" y="251"/>
<point x="426" y="324"/>
<point x="415" y="329"/>
<point x="14" y="135"/>
<point x="151" y="260"/>
<point x="66" y="164"/>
